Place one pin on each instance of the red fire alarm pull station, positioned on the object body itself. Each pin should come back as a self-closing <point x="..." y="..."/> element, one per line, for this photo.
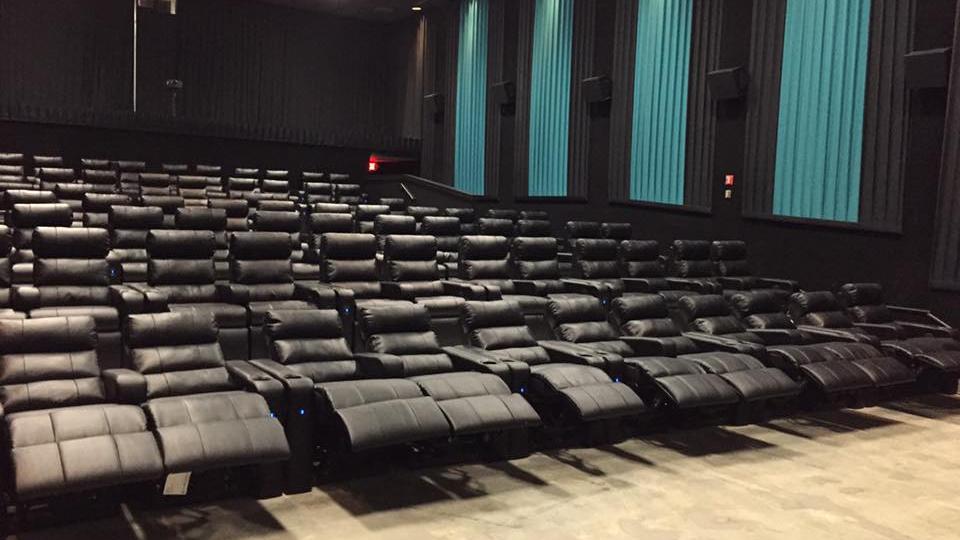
<point x="729" y="180"/>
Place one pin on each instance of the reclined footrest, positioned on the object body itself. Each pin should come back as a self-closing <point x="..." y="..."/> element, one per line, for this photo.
<point x="382" y="412"/>
<point x="590" y="391"/>
<point x="207" y="431"/>
<point x="685" y="383"/>
<point x="478" y="402"/>
<point x="752" y="380"/>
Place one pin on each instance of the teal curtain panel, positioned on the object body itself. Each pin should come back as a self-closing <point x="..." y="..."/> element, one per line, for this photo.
<point x="548" y="155"/>
<point x="822" y="95"/>
<point x="471" y="101"/>
<point x="661" y="81"/>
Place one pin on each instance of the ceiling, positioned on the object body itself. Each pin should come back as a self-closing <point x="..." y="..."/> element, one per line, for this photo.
<point x="370" y="10"/>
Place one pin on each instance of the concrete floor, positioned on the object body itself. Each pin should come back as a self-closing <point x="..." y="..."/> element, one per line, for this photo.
<point x="881" y="473"/>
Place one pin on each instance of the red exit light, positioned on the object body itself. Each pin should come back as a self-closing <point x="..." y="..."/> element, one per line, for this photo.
<point x="729" y="180"/>
<point x="373" y="166"/>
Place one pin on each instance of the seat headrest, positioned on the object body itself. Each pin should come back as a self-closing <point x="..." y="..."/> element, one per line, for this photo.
<point x="71" y="242"/>
<point x="593" y="249"/>
<point x="367" y="212"/>
<point x="181" y="244"/>
<point x="29" y="215"/>
<point x="95" y="176"/>
<point x="639" y="250"/>
<point x="691" y="249"/>
<point x="47" y="335"/>
<point x="640" y="307"/>
<point x="583" y="229"/>
<point x="394" y="317"/>
<point x="420" y="212"/>
<point x="861" y="294"/>
<point x="483" y="247"/>
<point x="275" y="186"/>
<point x="533" y="227"/>
<point x="313" y="175"/>
<point x="136" y="217"/>
<point x="274" y="205"/>
<point x="534" y="248"/>
<point x="56" y="173"/>
<point x="14" y="158"/>
<point x="410" y="247"/>
<point x="155" y="179"/>
<point x="267" y="220"/>
<point x="395" y="203"/>
<point x="493" y="314"/>
<point x="345" y="189"/>
<point x="102" y="202"/>
<point x="704" y="305"/>
<point x="495" y="226"/>
<point x="235" y="208"/>
<point x="241" y="184"/>
<point x="303" y="324"/>
<point x="92" y="163"/>
<point x="174" y="168"/>
<point x="170" y="329"/>
<point x="394" y="224"/>
<point x="28" y="196"/>
<point x="728" y="250"/>
<point x="196" y="218"/>
<point x="466" y="215"/>
<point x="813" y="302"/>
<point x="247" y="172"/>
<point x="260" y="246"/>
<point x="441" y="225"/>
<point x="168" y="203"/>
<point x="758" y="302"/>
<point x="502" y="213"/>
<point x="276" y="173"/>
<point x="328" y="222"/>
<point x="617" y="231"/>
<point x="195" y="182"/>
<point x="330" y="208"/>
<point x="348" y="246"/>
<point x="317" y="188"/>
<point x="130" y="166"/>
<point x="537" y="215"/>
<point x="209" y="169"/>
<point x="576" y="309"/>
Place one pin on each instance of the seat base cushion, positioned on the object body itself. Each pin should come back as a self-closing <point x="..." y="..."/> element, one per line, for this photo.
<point x="684" y="382"/>
<point x="224" y="429"/>
<point x="8" y="314"/>
<point x="589" y="390"/>
<point x="58" y="451"/>
<point x="226" y="315"/>
<point x="886" y="371"/>
<point x="751" y="379"/>
<point x="836" y="376"/>
<point x="477" y="402"/>
<point x="258" y="310"/>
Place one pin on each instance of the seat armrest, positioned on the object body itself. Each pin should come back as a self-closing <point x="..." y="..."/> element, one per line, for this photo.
<point x="574" y="353"/>
<point x="128" y="300"/>
<point x="882" y="331"/>
<point x="774" y="336"/>
<point x="732" y="282"/>
<point x="640" y="285"/>
<point x="465" y="290"/>
<point x="395" y="291"/>
<point x="124" y="386"/>
<point x="919" y="329"/>
<point x="644" y="346"/>
<point x="527" y="287"/>
<point x="515" y="374"/>
<point x="379" y="365"/>
<point x="321" y="295"/>
<point x="234" y="293"/>
<point x="700" y="285"/>
<point x="791" y="285"/>
<point x="155" y="301"/>
<point x="720" y="343"/>
<point x="25" y="297"/>
<point x="288" y="377"/>
<point x="252" y="379"/>
<point x="582" y="286"/>
<point x="839" y="334"/>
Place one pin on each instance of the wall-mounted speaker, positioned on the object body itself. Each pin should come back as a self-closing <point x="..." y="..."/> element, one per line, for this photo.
<point x="597" y="89"/>
<point x="504" y="92"/>
<point x="433" y="104"/>
<point x="928" y="69"/>
<point x="728" y="83"/>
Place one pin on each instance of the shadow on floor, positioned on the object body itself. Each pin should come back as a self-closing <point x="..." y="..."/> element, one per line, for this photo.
<point x="932" y="406"/>
<point x="707" y="441"/>
<point x="828" y="423"/>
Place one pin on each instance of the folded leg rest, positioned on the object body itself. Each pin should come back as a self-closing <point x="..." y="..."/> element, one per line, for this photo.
<point x="56" y="451"/>
<point x="478" y="402"/>
<point x="589" y="390"/>
<point x="882" y="370"/>
<point x="752" y="380"/>
<point x="206" y="431"/>
<point x="685" y="383"/>
<point x="377" y="413"/>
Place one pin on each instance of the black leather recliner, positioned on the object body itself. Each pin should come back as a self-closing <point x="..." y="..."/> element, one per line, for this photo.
<point x="129" y="226"/>
<point x="535" y="266"/>
<point x="533" y="228"/>
<point x="24" y="219"/>
<point x="62" y="434"/>
<point x="733" y="270"/>
<point x="213" y="220"/>
<point x="366" y="215"/>
<point x="71" y="276"/>
<point x="206" y="414"/>
<point x="261" y="279"/>
<point x="236" y="209"/>
<point x="467" y="217"/>
<point x="502" y="213"/>
<point x="6" y="276"/>
<point x="314" y="191"/>
<point x="387" y="224"/>
<point x="643" y="269"/>
<point x="565" y="383"/>
<point x="616" y="231"/>
<point x="446" y="229"/>
<point x="820" y="310"/>
<point x="399" y="343"/>
<point x="930" y="345"/>
<point x="287" y="222"/>
<point x="488" y="226"/>
<point x="692" y="267"/>
<point x="96" y="208"/>
<point x="181" y="276"/>
<point x="596" y="270"/>
<point x="346" y="193"/>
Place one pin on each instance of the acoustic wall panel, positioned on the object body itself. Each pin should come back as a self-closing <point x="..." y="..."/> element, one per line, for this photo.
<point x="471" y="103"/>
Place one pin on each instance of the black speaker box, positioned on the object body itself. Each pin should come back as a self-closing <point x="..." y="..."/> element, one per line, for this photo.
<point x="504" y="92"/>
<point x="928" y="69"/>
<point x="728" y="83"/>
<point x="597" y="89"/>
